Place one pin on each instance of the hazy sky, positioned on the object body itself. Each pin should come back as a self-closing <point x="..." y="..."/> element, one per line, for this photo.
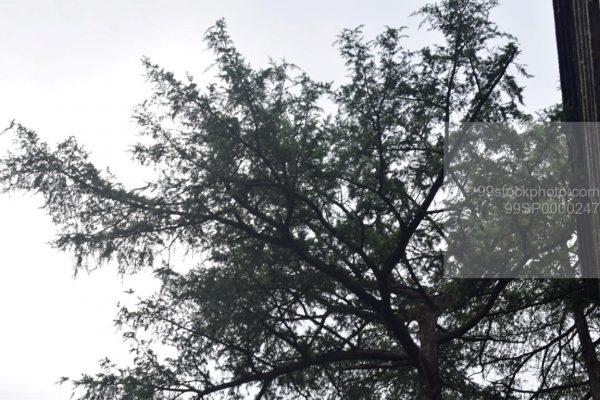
<point x="72" y="68"/>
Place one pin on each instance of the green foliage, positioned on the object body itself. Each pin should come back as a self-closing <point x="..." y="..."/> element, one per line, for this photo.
<point x="323" y="272"/>
<point x="497" y="231"/>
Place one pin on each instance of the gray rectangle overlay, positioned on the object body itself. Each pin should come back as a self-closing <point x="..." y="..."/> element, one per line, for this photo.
<point x="512" y="201"/>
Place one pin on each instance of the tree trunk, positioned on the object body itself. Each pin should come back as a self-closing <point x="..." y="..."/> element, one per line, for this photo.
<point x="429" y="374"/>
<point x="431" y="385"/>
<point x="590" y="360"/>
<point x="577" y="24"/>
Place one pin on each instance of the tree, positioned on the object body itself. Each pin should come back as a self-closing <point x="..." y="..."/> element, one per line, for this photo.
<point x="578" y="42"/>
<point x="323" y="272"/>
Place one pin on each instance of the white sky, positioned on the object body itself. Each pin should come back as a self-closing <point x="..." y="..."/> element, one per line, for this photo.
<point x="72" y="68"/>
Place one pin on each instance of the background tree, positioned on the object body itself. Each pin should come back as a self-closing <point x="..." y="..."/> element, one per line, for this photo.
<point x="578" y="43"/>
<point x="322" y="271"/>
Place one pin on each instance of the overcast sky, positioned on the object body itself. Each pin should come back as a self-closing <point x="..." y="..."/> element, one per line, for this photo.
<point x="73" y="68"/>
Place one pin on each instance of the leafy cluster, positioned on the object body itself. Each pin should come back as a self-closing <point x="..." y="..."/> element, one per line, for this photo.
<point x="311" y="205"/>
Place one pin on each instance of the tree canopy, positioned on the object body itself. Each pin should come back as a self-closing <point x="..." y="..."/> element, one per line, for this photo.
<point x="311" y="206"/>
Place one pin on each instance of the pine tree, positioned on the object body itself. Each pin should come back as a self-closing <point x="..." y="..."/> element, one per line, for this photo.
<point x="311" y="205"/>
